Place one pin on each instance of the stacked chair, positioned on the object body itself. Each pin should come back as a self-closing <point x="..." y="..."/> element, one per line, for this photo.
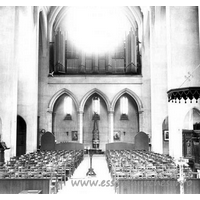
<point x="57" y="166"/>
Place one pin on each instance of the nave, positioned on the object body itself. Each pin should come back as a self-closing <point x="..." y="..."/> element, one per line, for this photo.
<point x="103" y="177"/>
<point x="116" y="172"/>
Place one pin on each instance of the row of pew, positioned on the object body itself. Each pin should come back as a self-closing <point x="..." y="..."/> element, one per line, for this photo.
<point x="56" y="165"/>
<point x="137" y="164"/>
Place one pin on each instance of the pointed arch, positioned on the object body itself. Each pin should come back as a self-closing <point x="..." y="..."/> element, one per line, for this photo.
<point x="165" y="123"/>
<point x="90" y="93"/>
<point x="57" y="13"/>
<point x="21" y="134"/>
<point x="189" y="118"/>
<point x="59" y="94"/>
<point x="132" y="94"/>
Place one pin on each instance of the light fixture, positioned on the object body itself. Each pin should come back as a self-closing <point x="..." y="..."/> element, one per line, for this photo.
<point x="43" y="131"/>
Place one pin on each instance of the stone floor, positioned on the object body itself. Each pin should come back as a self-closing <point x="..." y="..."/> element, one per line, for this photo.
<point x="80" y="183"/>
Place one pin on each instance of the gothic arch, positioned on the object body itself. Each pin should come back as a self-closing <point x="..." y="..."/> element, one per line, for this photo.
<point x="133" y="14"/>
<point x="132" y="94"/>
<point x="21" y="135"/>
<point x="57" y="95"/>
<point x="165" y="123"/>
<point x="188" y="119"/>
<point x="91" y="92"/>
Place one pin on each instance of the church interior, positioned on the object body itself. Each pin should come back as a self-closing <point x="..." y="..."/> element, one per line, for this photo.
<point x="106" y="94"/>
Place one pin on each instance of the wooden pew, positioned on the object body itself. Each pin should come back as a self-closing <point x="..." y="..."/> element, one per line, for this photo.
<point x="15" y="186"/>
<point x="157" y="186"/>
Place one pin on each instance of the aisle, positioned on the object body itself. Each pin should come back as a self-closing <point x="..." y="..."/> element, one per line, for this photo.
<point x="82" y="184"/>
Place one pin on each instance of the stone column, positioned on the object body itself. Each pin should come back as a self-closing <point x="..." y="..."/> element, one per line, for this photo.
<point x="146" y="73"/>
<point x="111" y="125"/>
<point x="140" y="118"/>
<point x="80" y="116"/>
<point x="9" y="77"/>
<point x="158" y="67"/>
<point x="27" y="63"/>
<point x="183" y="58"/>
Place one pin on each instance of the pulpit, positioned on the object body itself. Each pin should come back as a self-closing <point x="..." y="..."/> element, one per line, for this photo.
<point x="3" y="147"/>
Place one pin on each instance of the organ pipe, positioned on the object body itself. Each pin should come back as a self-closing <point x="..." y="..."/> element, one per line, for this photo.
<point x="59" y="55"/>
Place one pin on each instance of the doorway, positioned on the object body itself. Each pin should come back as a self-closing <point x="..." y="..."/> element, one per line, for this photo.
<point x="21" y="136"/>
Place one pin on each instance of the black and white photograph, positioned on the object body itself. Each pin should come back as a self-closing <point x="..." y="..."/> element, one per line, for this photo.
<point x="117" y="135"/>
<point x="74" y="135"/>
<point x="123" y="81"/>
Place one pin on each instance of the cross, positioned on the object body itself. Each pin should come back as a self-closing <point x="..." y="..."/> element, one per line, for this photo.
<point x="181" y="162"/>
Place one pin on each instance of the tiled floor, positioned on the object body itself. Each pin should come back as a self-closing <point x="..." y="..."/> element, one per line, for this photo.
<point x="99" y="184"/>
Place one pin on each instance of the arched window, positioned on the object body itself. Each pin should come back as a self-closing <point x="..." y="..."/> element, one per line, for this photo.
<point x="96" y="105"/>
<point x="124" y="108"/>
<point x="68" y="108"/>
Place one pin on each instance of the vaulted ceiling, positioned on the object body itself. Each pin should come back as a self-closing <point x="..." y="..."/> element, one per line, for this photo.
<point x="55" y="14"/>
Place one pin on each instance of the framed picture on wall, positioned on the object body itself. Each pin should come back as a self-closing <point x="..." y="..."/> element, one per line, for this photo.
<point x="117" y="135"/>
<point x="74" y="135"/>
<point x="166" y="135"/>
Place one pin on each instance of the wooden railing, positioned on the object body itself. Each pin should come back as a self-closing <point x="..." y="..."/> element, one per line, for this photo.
<point x="15" y="186"/>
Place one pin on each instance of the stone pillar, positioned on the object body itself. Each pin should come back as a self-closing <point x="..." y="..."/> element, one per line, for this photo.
<point x="80" y="116"/>
<point x="158" y="66"/>
<point x="199" y="22"/>
<point x="175" y="128"/>
<point x="183" y="46"/>
<point x="140" y="118"/>
<point x="27" y="63"/>
<point x="111" y="125"/>
<point x="9" y="19"/>
<point x="183" y="58"/>
<point x="145" y="125"/>
<point x="53" y="125"/>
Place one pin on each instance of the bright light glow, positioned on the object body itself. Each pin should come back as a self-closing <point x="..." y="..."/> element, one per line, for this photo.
<point x="96" y="105"/>
<point x="68" y="105"/>
<point x="124" y="105"/>
<point x="96" y="29"/>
